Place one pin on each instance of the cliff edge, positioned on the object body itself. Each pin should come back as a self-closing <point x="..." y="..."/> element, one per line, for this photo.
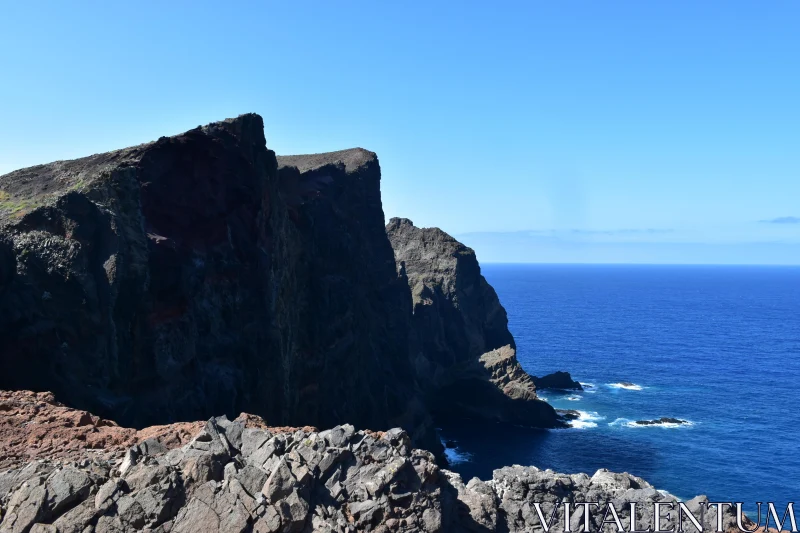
<point x="461" y="347"/>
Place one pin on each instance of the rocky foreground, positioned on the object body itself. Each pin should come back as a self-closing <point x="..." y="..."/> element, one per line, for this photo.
<point x="241" y="476"/>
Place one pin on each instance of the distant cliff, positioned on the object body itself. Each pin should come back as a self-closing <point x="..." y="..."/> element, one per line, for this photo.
<point x="460" y="343"/>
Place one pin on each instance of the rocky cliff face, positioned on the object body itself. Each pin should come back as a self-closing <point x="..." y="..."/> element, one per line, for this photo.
<point x="239" y="477"/>
<point x="190" y="277"/>
<point x="461" y="347"/>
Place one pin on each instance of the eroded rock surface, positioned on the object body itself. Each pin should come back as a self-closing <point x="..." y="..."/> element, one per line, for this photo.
<point x="34" y="425"/>
<point x="233" y="478"/>
<point x="461" y="346"/>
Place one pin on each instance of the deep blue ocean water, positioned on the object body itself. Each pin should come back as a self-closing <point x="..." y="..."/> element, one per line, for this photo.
<point x="718" y="346"/>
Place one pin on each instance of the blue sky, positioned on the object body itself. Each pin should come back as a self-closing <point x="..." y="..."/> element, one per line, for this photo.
<point x="630" y="131"/>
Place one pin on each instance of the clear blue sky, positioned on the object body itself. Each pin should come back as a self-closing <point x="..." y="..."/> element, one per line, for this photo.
<point x="587" y="123"/>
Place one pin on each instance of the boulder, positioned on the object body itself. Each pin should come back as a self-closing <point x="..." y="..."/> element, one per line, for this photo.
<point x="557" y="380"/>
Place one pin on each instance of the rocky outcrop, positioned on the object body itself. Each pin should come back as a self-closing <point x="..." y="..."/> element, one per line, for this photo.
<point x="34" y="425"/>
<point x="663" y="421"/>
<point x="558" y="381"/>
<point x="190" y="277"/>
<point x="233" y="478"/>
<point x="461" y="347"/>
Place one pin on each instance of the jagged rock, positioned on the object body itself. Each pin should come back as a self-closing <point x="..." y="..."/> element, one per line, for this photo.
<point x="461" y="347"/>
<point x="376" y="483"/>
<point x="507" y="374"/>
<point x="557" y="380"/>
<point x="270" y="522"/>
<point x="64" y="486"/>
<point x="280" y="483"/>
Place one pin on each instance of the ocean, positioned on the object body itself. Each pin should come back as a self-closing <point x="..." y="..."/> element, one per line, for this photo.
<point x="718" y="346"/>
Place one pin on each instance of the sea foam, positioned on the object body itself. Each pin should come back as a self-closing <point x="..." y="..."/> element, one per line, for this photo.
<point x="626" y="386"/>
<point x="586" y="420"/>
<point x="456" y="456"/>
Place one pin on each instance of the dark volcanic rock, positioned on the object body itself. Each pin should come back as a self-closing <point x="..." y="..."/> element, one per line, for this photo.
<point x="234" y="478"/>
<point x="456" y="312"/>
<point x="356" y="325"/>
<point x="661" y="421"/>
<point x="187" y="277"/>
<point x="569" y="414"/>
<point x="461" y="347"/>
<point x="557" y="380"/>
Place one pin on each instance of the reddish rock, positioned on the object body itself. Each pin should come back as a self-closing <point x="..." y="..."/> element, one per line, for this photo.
<point x="33" y="425"/>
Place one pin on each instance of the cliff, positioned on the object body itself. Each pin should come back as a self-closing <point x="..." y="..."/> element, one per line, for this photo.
<point x="189" y="277"/>
<point x="199" y="275"/>
<point x="243" y="476"/>
<point x="461" y="347"/>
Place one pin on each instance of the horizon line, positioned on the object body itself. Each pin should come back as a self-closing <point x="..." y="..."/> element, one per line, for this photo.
<point x="610" y="263"/>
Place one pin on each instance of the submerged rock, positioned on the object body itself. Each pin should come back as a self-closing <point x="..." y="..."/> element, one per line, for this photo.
<point x="569" y="414"/>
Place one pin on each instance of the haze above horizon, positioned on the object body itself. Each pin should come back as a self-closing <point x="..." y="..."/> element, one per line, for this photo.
<point x="613" y="132"/>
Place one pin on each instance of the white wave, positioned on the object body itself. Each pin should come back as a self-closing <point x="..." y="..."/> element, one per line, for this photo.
<point x="573" y="398"/>
<point x="587" y="385"/>
<point x="586" y="420"/>
<point x="620" y="422"/>
<point x="456" y="456"/>
<point x="626" y="386"/>
<point x="542" y="398"/>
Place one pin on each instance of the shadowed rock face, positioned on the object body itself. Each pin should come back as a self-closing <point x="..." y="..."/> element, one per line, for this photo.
<point x="189" y="277"/>
<point x="356" y="336"/>
<point x="140" y="290"/>
<point x="462" y="349"/>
